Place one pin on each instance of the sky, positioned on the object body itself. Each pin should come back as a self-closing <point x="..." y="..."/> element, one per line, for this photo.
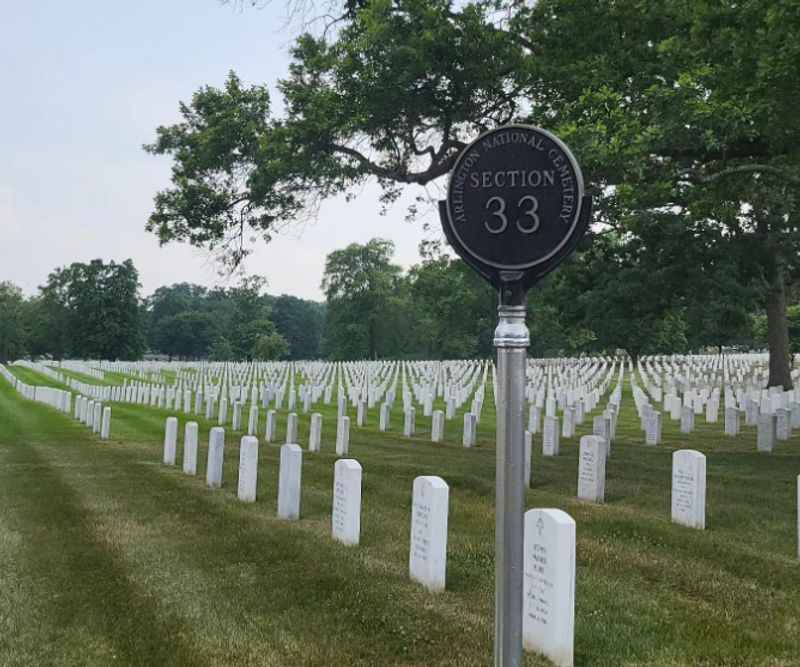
<point x="84" y="83"/>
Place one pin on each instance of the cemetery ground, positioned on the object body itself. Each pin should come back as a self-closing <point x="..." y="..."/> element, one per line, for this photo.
<point x="109" y="557"/>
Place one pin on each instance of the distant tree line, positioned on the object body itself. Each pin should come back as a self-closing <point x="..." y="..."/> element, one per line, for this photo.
<point x="241" y="322"/>
<point x="96" y="311"/>
<point x="613" y="295"/>
<point x="84" y="311"/>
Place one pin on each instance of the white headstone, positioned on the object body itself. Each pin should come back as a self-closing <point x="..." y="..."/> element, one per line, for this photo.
<point x="712" y="411"/>
<point x="236" y="424"/>
<point x="592" y="469"/>
<point x="550" y="443"/>
<point x="689" y="488"/>
<point x="343" y="436"/>
<point x="687" y="419"/>
<point x="190" y="448"/>
<point x="384" y="417"/>
<point x="601" y="427"/>
<point x="794" y="409"/>
<point x="170" y="441"/>
<point x="437" y="426"/>
<point x="252" y="421"/>
<point x="528" y="454"/>
<point x="580" y="411"/>
<point x="548" y="624"/>
<point x="98" y="415"/>
<point x="731" y="421"/>
<point x="272" y="422"/>
<point x="765" y="437"/>
<point x="534" y="417"/>
<point x="346" y="515"/>
<point x="751" y="411"/>
<point x="248" y="469"/>
<point x="653" y="428"/>
<point x="470" y="424"/>
<point x="568" y="423"/>
<point x="409" y="422"/>
<point x="674" y="406"/>
<point x="783" y="424"/>
<point x="105" y="429"/>
<point x="291" y="428"/>
<point x="427" y="561"/>
<point x="315" y="433"/>
<point x="289" y="482"/>
<point x="216" y="456"/>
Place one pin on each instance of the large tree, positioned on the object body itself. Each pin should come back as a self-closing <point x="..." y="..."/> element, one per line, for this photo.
<point x="673" y="106"/>
<point x="47" y="323"/>
<point x="393" y="97"/>
<point x="188" y="334"/>
<point x="686" y="108"/>
<point x="97" y="305"/>
<point x="13" y="340"/>
<point x="178" y="323"/>
<point x="362" y="287"/>
<point x="453" y="310"/>
<point x="301" y="323"/>
<point x="187" y="320"/>
<point x="244" y="313"/>
<point x="668" y="288"/>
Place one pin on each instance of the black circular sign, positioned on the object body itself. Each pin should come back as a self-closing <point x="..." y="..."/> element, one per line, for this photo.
<point x="514" y="200"/>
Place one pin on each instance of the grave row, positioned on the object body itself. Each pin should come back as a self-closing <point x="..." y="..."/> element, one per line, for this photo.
<point x="90" y="413"/>
<point x="549" y="540"/>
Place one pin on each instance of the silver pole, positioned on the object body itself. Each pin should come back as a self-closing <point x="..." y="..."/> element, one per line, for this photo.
<point x="511" y="340"/>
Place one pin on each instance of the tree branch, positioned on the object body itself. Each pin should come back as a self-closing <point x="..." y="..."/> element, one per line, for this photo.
<point x="751" y="168"/>
<point x="434" y="171"/>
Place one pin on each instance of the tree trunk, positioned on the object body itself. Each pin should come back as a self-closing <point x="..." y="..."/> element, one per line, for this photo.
<point x="780" y="358"/>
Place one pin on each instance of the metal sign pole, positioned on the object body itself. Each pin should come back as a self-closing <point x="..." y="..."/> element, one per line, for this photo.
<point x="511" y="340"/>
<point x="515" y="210"/>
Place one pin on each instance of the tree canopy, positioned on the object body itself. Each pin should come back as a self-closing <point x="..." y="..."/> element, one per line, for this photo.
<point x="94" y="309"/>
<point x="680" y="114"/>
<point x="190" y="321"/>
<point x="12" y="329"/>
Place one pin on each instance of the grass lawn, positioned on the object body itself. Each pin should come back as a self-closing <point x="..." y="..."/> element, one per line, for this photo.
<point x="113" y="377"/>
<point x="109" y="557"/>
<point x="32" y="377"/>
<point x="88" y="379"/>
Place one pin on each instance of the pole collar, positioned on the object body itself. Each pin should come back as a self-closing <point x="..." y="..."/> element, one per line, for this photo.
<point x="511" y="329"/>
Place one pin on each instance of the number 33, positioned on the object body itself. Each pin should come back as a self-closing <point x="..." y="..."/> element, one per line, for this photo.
<point x="498" y="223"/>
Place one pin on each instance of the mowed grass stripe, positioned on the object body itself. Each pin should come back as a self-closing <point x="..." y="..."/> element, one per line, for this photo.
<point x="327" y="580"/>
<point x="648" y="592"/>
<point x="84" y="607"/>
<point x="32" y="377"/>
<point x="83" y="377"/>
